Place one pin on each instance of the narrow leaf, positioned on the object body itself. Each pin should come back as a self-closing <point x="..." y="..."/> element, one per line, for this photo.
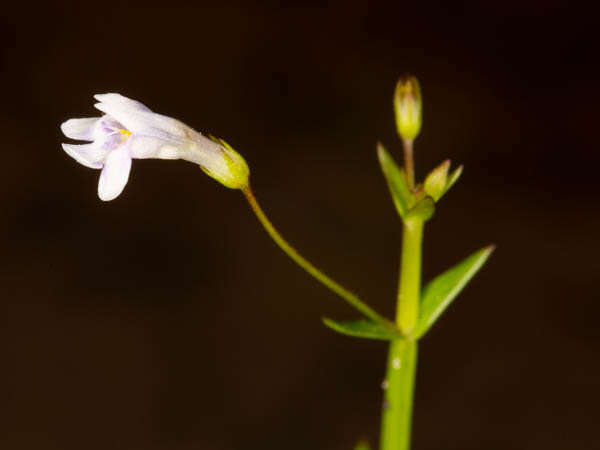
<point x="364" y="329"/>
<point x="440" y="292"/>
<point x="396" y="181"/>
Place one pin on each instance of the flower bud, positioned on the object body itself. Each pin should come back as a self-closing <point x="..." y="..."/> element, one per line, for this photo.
<point x="436" y="181"/>
<point x="408" y="107"/>
<point x="439" y="180"/>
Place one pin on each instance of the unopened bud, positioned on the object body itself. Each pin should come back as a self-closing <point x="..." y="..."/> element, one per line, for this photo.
<point x="439" y="180"/>
<point x="436" y="181"/>
<point x="408" y="107"/>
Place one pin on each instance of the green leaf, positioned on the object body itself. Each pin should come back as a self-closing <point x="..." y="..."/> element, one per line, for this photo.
<point x="362" y="445"/>
<point x="440" y="292"/>
<point x="364" y="329"/>
<point x="396" y="180"/>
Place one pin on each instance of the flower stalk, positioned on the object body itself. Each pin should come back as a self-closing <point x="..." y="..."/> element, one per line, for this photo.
<point x="308" y="266"/>
<point x="409" y="164"/>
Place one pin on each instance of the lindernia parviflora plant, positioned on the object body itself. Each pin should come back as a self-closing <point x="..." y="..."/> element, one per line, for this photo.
<point x="130" y="130"/>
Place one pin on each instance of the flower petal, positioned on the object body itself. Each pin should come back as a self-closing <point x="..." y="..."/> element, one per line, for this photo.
<point x="121" y="100"/>
<point x="143" y="147"/>
<point x="145" y="122"/>
<point x="115" y="173"/>
<point x="81" y="129"/>
<point x="106" y="125"/>
<point x="89" y="155"/>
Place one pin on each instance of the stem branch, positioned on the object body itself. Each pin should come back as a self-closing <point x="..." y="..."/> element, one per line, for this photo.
<point x="309" y="267"/>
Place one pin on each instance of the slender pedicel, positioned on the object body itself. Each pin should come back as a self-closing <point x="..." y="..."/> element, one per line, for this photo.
<point x="309" y="267"/>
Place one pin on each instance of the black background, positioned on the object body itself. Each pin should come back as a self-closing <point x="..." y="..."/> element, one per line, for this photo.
<point x="167" y="319"/>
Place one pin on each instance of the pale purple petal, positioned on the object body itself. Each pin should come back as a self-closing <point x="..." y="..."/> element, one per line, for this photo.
<point x="89" y="155"/>
<point x="106" y="125"/>
<point x="143" y="147"/>
<point x="115" y="173"/>
<point x="122" y="101"/>
<point x="147" y="123"/>
<point x="81" y="129"/>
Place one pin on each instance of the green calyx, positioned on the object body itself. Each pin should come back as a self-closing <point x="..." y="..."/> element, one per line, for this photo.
<point x="237" y="174"/>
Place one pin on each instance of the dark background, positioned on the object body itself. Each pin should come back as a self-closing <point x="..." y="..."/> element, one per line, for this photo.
<point x="167" y="319"/>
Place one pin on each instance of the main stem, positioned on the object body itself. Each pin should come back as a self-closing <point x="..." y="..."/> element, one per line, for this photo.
<point x="402" y="360"/>
<point x="409" y="285"/>
<point x="399" y="383"/>
<point x="308" y="266"/>
<point x="398" y="398"/>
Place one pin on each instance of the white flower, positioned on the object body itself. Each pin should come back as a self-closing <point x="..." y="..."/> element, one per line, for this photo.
<point x="130" y="130"/>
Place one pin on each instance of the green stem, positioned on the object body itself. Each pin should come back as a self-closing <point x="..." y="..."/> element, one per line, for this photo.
<point x="409" y="163"/>
<point x="398" y="395"/>
<point x="309" y="267"/>
<point x="407" y="312"/>
<point x="402" y="360"/>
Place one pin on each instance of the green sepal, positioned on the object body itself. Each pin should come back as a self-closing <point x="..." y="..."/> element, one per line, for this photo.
<point x="439" y="293"/>
<point x="453" y="177"/>
<point x="215" y="139"/>
<point x="396" y="180"/>
<point x="365" y="329"/>
<point x="362" y="445"/>
<point x="422" y="210"/>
